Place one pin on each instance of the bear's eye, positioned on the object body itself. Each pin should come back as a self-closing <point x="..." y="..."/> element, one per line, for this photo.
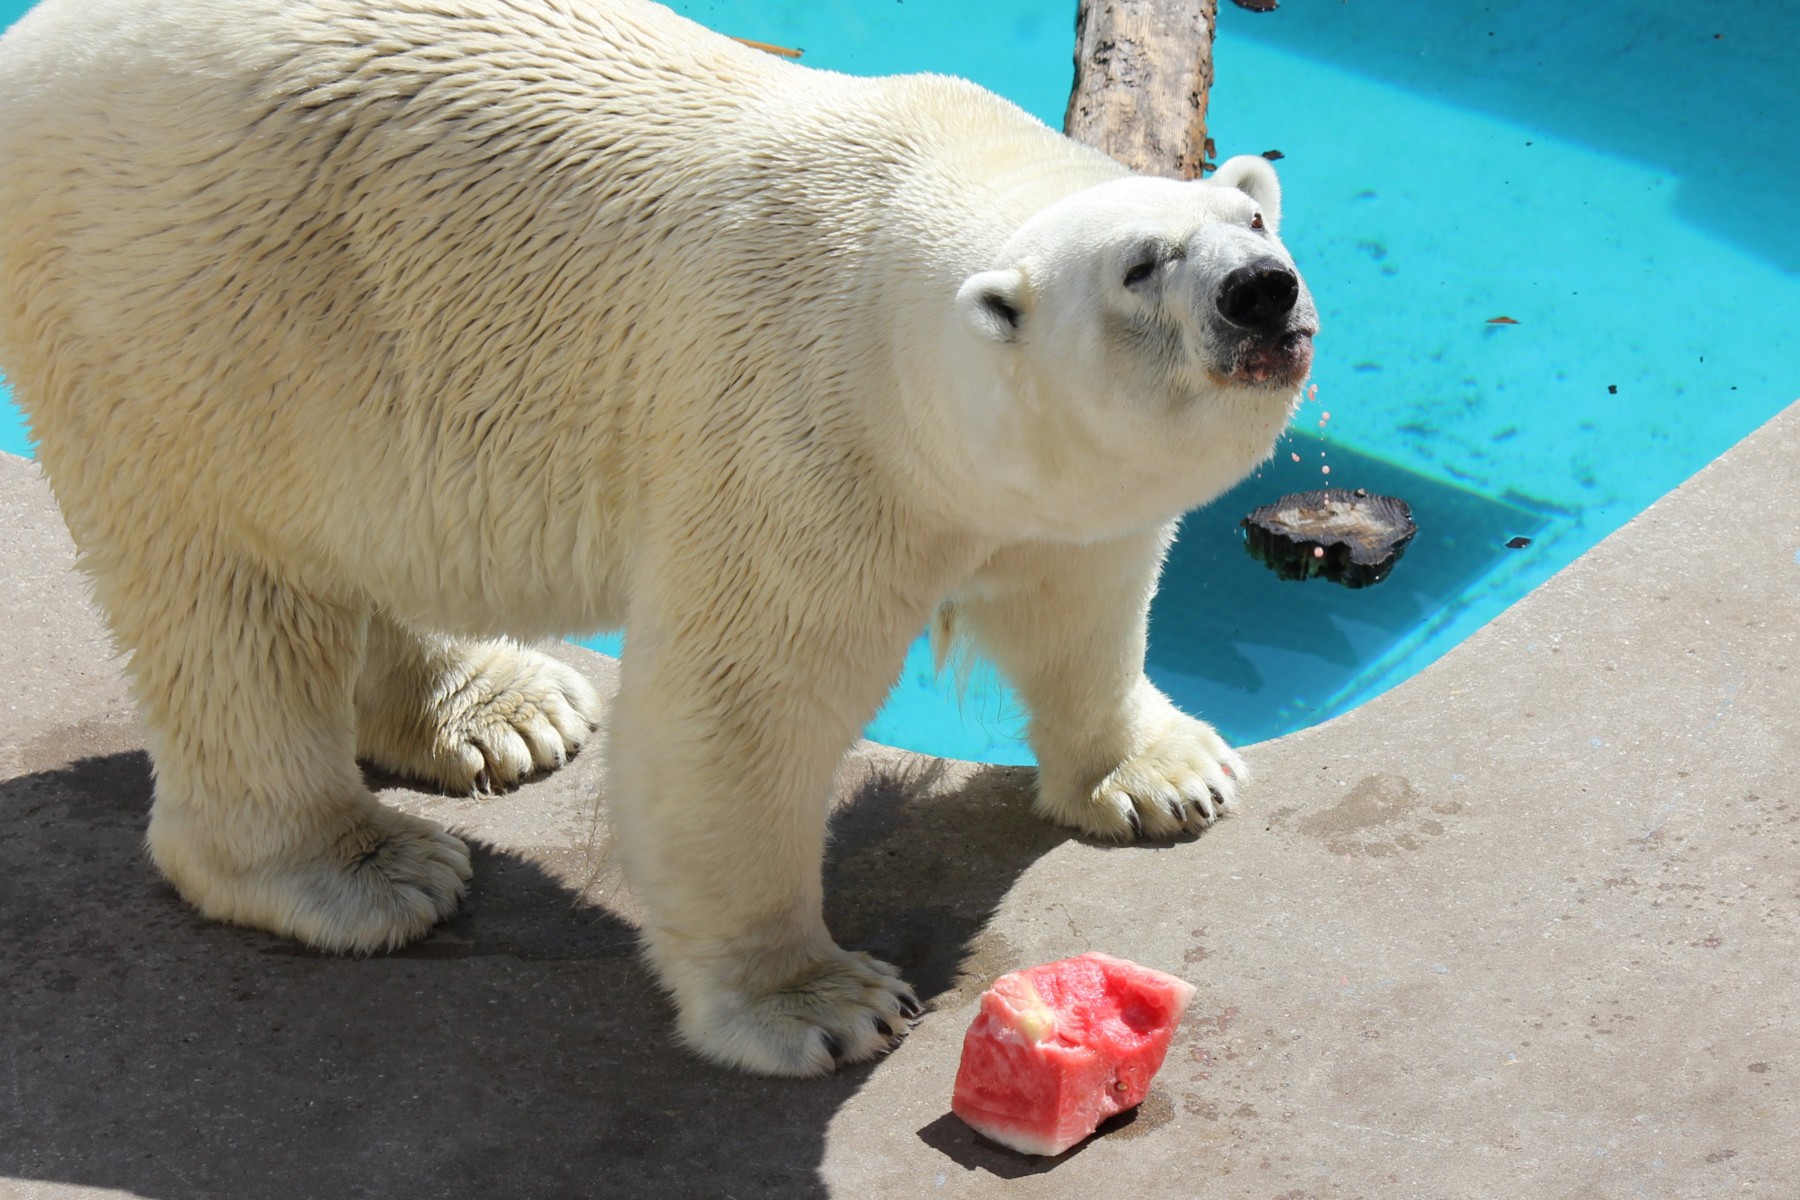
<point x="1139" y="271"/>
<point x="1256" y="221"/>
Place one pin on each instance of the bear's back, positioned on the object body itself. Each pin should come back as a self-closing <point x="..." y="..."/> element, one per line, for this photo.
<point x="408" y="253"/>
<point x="409" y="167"/>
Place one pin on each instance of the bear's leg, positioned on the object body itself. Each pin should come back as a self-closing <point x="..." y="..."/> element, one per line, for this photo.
<point x="466" y="715"/>
<point x="722" y="745"/>
<point x="1068" y="625"/>
<point x="261" y="818"/>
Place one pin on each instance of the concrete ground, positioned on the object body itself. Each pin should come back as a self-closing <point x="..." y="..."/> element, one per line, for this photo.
<point x="1524" y="927"/>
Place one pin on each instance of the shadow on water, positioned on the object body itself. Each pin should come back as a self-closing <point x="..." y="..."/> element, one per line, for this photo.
<point x="1703" y="92"/>
<point x="522" y="1049"/>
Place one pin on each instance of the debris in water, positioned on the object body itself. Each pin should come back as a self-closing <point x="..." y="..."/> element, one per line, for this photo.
<point x="1352" y="538"/>
<point x="766" y="48"/>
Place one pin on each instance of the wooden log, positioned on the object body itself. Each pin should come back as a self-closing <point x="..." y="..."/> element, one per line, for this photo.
<point x="1143" y="69"/>
<point x="1352" y="538"/>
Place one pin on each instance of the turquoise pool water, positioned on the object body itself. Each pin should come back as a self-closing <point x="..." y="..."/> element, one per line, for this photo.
<point x="1619" y="178"/>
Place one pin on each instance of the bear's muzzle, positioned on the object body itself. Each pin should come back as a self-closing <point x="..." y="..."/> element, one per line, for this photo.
<point x="1267" y="319"/>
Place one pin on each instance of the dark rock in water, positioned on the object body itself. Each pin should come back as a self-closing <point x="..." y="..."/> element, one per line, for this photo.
<point x="1352" y="538"/>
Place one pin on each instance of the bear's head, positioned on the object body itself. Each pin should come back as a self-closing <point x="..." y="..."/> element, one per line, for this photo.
<point x="1146" y="341"/>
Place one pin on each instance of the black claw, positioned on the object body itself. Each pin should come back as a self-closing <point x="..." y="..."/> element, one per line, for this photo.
<point x="1177" y="811"/>
<point x="887" y="1030"/>
<point x="1137" y="826"/>
<point x="909" y="1008"/>
<point x="834" y="1048"/>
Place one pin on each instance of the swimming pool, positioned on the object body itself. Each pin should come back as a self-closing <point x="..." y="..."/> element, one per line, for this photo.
<point x="1442" y="165"/>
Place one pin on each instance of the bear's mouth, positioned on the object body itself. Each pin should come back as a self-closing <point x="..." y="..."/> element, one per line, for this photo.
<point x="1280" y="360"/>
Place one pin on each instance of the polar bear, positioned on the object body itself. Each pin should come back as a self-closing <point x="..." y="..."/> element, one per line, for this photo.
<point x="360" y="336"/>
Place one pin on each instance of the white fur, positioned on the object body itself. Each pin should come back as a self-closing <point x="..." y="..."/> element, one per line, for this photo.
<point x="355" y="330"/>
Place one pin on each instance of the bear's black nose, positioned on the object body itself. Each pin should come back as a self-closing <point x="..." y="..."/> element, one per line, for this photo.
<point x="1259" y="295"/>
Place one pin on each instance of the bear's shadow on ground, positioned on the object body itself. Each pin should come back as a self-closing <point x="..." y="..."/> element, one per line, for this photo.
<point x="523" y="1049"/>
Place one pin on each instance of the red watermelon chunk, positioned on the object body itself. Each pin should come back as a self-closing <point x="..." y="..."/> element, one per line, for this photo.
<point x="1059" y="1048"/>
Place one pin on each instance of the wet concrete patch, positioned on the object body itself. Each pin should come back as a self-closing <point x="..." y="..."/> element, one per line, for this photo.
<point x="1380" y="815"/>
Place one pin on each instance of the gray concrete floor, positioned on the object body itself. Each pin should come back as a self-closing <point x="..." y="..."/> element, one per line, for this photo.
<point x="1524" y="927"/>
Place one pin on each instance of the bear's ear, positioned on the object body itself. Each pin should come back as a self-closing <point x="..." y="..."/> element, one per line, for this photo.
<point x="1252" y="175"/>
<point x="993" y="303"/>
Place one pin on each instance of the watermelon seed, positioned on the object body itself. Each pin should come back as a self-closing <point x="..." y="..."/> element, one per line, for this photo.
<point x="1118" y="1085"/>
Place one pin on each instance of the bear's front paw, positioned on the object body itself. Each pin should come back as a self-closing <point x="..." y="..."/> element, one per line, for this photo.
<point x="842" y="1007"/>
<point x="1177" y="777"/>
<point x="485" y="716"/>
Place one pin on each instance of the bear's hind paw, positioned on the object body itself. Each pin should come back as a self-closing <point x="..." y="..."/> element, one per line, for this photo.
<point x="383" y="882"/>
<point x="526" y="713"/>
<point x="494" y="715"/>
